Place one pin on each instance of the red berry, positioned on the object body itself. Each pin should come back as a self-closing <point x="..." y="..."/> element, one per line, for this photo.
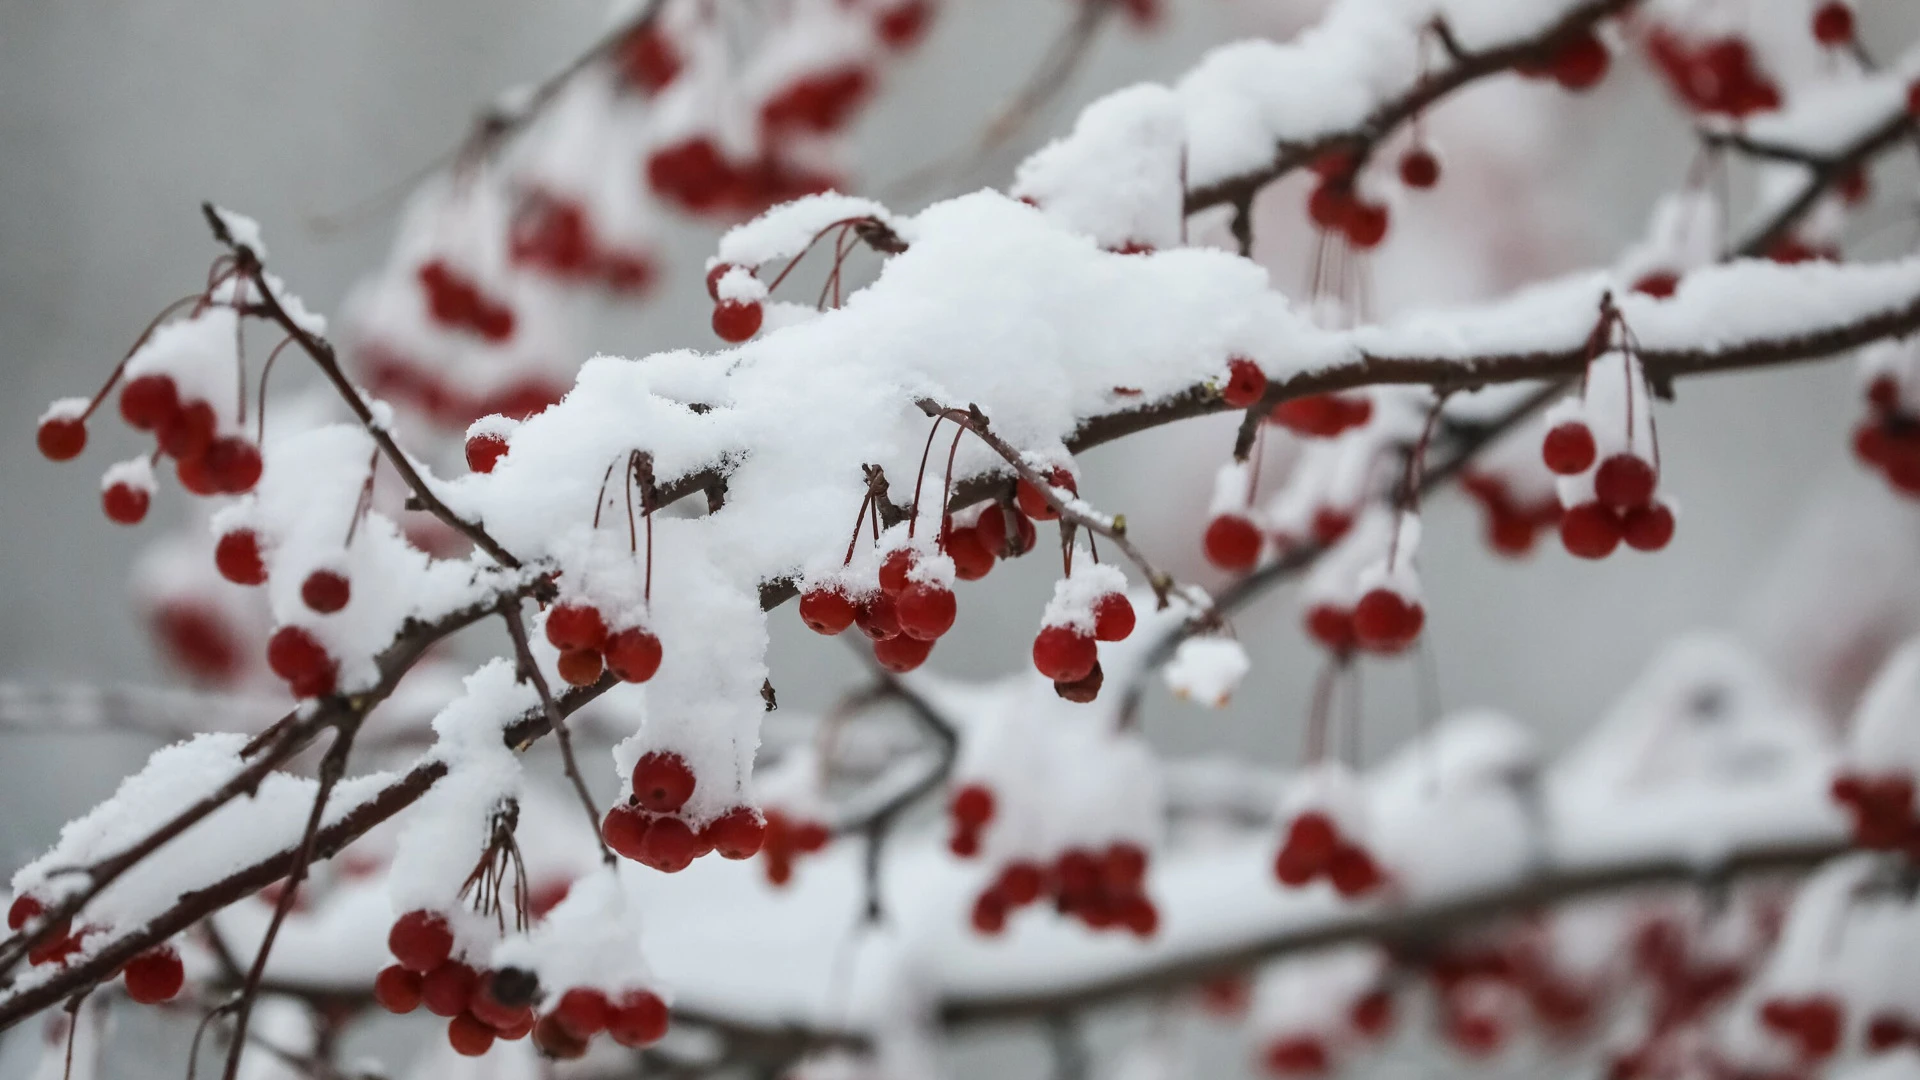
<point x="1624" y="482"/>
<point x="625" y="831"/>
<point x="579" y="667"/>
<point x="903" y="25"/>
<point x="902" y="652"/>
<point x="1246" y="383"/>
<point x="1300" y="1055"/>
<point x="990" y="913"/>
<point x="737" y="320"/>
<point x="1372" y="1015"/>
<point x="1064" y="654"/>
<point x="1331" y="626"/>
<point x="992" y="529"/>
<point x="238" y="557"/>
<point x="1020" y="883"/>
<point x="582" y="1012"/>
<point x="737" y="834"/>
<point x="1913" y="100"/>
<point x="1419" y="168"/>
<point x="484" y="452"/>
<point x="487" y="1007"/>
<point x="326" y="591"/>
<point x="195" y="476"/>
<point x="662" y="782"/>
<point x="1113" y="617"/>
<point x="972" y="806"/>
<point x="576" y="626"/>
<point x="1883" y="393"/>
<point x="555" y="1042"/>
<point x="420" y="940"/>
<point x="926" y="611"/>
<point x="397" y="989"/>
<point x="1582" y="62"/>
<point x="154" y="976"/>
<point x="1568" y="448"/>
<point x="1647" y="528"/>
<point x="1886" y="1031"/>
<point x="826" y="611"/>
<point x="1033" y="502"/>
<point x="649" y="60"/>
<point x="1352" y="871"/>
<point x="1330" y="524"/>
<point x="1331" y="204"/>
<point x="1314" y="835"/>
<point x="1659" y="284"/>
<point x="125" y="503"/>
<point x="62" y="438"/>
<point x="149" y="401"/>
<point x="1386" y="622"/>
<point x="718" y="271"/>
<point x="640" y="1019"/>
<point x="894" y="570"/>
<point x="469" y="1036"/>
<point x="296" y="656"/>
<point x="1833" y="24"/>
<point x="1367" y="224"/>
<point x="670" y="846"/>
<point x="1590" y="531"/>
<point x="447" y="989"/>
<point x="1084" y="689"/>
<point x="24" y="908"/>
<point x="633" y="654"/>
<point x="189" y="432"/>
<point x="877" y="618"/>
<point x="971" y="558"/>
<point x="1233" y="543"/>
<point x="233" y="465"/>
<point x="1822" y="1021"/>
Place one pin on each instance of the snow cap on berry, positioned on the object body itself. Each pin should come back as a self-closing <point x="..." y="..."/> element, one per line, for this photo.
<point x="1074" y="596"/>
<point x="1207" y="670"/>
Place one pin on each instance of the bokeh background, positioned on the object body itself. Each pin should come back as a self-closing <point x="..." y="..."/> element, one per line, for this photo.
<point x="117" y="118"/>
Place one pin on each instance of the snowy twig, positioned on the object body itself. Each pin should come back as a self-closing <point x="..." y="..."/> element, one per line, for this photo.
<point x="321" y="351"/>
<point x="1823" y="172"/>
<point x="1360" y="140"/>
<point x="332" y="768"/>
<point x="530" y="672"/>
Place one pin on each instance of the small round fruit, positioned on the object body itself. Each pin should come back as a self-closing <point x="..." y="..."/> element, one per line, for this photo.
<point x="1568" y="448"/>
<point x="1064" y="654"/>
<point x="633" y="654"/>
<point x="826" y="611"/>
<point x="1590" y="531"/>
<point x="1113" y="617"/>
<point x="1233" y="543"/>
<point x="62" y="438"/>
<point x="326" y="591"/>
<point x="737" y="320"/>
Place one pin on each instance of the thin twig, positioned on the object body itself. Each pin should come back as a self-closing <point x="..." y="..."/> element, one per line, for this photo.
<point x="530" y="672"/>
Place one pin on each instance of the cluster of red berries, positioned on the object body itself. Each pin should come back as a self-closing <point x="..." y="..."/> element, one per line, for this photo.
<point x="1888" y="1030"/>
<point x="208" y="463"/>
<point x="638" y="1018"/>
<point x="1105" y="890"/>
<point x="553" y="235"/>
<point x="1623" y="507"/>
<point x="294" y="653"/>
<point x="650" y="829"/>
<point x="1889" y="438"/>
<point x="696" y="175"/>
<point x="1068" y="655"/>
<point x="903" y="618"/>
<point x="297" y="656"/>
<point x="1578" y="64"/>
<point x="1812" y="1024"/>
<point x="152" y="977"/>
<point x="396" y="377"/>
<point x="733" y="320"/>
<point x="456" y="301"/>
<point x="970" y="809"/>
<point x="1336" y="206"/>
<point x="1716" y="77"/>
<point x="818" y="103"/>
<point x="1512" y="525"/>
<point x="1323" y="416"/>
<point x="1314" y="848"/>
<point x="587" y="646"/>
<point x="1881" y="809"/>
<point x="790" y="836"/>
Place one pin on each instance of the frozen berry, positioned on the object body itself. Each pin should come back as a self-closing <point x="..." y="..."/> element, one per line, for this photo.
<point x="894" y="570"/>
<point x="992" y="529"/>
<point x="670" y="845"/>
<point x="233" y="464"/>
<point x="148" y="401"/>
<point x="826" y="611"/>
<point x="971" y="558"/>
<point x="189" y="432"/>
<point x="124" y="503"/>
<point x="579" y="667"/>
<point x="1331" y="626"/>
<point x="61" y="438"/>
<point x="1386" y="622"/>
<point x="397" y="989"/>
<point x="484" y="452"/>
<point x="737" y="320"/>
<point x="1233" y="543"/>
<point x="1064" y="654"/>
<point x="582" y="1011"/>
<point x="926" y="611"/>
<point x="1367" y="224"/>
<point x="1419" y="168"/>
<point x="326" y="591"/>
<point x="469" y="1036"/>
<point x="1582" y="62"/>
<point x="902" y="653"/>
<point x="154" y="976"/>
<point x="1647" y="528"/>
<point x="447" y="989"/>
<point x="662" y="782"/>
<point x="639" y="1019"/>
<point x="23" y="908"/>
<point x="1084" y="689"/>
<point x="714" y="274"/>
<point x="1113" y="617"/>
<point x="633" y="654"/>
<point x="1568" y="448"/>
<point x="1659" y="284"/>
<point x="1590" y="531"/>
<point x="1246" y="383"/>
<point x="420" y="940"/>
<point x="1624" y="481"/>
<point x="576" y="626"/>
<point x="877" y="618"/>
<point x="294" y="654"/>
<point x="238" y="557"/>
<point x="1833" y="24"/>
<point x="972" y="806"/>
<point x="736" y="834"/>
<point x="556" y="1042"/>
<point x="624" y="828"/>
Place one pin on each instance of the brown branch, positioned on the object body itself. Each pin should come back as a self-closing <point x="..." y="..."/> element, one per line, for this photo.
<point x="1360" y="140"/>
<point x="1823" y="174"/>
<point x="1410" y="929"/>
<point x="332" y="768"/>
<point x="530" y="672"/>
<point x="247" y="263"/>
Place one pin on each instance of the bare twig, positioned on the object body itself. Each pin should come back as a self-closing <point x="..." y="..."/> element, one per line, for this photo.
<point x="530" y="671"/>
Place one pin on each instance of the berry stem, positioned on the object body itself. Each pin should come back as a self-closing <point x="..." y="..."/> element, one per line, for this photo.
<point x="556" y="717"/>
<point x="920" y="477"/>
<point x="260" y="411"/>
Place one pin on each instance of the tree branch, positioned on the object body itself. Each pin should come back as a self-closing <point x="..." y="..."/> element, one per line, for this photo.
<point x="530" y="671"/>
